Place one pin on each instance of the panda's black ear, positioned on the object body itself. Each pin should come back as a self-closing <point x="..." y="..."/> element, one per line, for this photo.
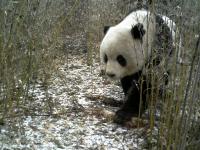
<point x="138" y="31"/>
<point x="105" y="30"/>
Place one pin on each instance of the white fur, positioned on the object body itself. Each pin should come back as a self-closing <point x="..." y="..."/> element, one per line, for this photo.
<point x="171" y="25"/>
<point x="119" y="41"/>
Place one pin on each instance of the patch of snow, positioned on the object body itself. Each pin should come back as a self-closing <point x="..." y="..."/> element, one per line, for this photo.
<point x="70" y="128"/>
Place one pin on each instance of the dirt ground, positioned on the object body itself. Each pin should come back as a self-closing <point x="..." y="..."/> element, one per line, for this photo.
<point x="80" y="104"/>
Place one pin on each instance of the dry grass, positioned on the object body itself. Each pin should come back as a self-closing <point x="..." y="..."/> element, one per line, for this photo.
<point x="37" y="36"/>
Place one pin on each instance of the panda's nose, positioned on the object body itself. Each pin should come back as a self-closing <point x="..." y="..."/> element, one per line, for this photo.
<point x="111" y="75"/>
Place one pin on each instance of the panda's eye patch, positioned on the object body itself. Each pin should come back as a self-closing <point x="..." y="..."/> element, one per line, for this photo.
<point x="121" y="60"/>
<point x="105" y="58"/>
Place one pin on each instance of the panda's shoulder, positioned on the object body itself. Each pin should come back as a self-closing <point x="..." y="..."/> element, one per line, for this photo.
<point x="134" y="17"/>
<point x="140" y="13"/>
<point x="167" y="23"/>
<point x="164" y="19"/>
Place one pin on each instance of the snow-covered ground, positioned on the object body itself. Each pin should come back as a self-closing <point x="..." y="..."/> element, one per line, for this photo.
<point x="73" y="119"/>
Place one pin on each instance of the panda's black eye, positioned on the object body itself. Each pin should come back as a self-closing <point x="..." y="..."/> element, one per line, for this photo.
<point x="105" y="58"/>
<point x="121" y="60"/>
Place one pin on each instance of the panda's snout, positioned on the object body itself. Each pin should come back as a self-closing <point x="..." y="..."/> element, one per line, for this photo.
<point x="111" y="75"/>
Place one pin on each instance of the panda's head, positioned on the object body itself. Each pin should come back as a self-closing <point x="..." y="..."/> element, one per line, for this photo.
<point x="126" y="47"/>
<point x="123" y="50"/>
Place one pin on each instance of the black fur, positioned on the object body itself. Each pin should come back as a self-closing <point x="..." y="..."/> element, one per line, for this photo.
<point x="105" y="30"/>
<point x="127" y="81"/>
<point x="164" y="41"/>
<point x="163" y="45"/>
<point x="121" y="60"/>
<point x="138" y="31"/>
<point x="135" y="88"/>
<point x="105" y="58"/>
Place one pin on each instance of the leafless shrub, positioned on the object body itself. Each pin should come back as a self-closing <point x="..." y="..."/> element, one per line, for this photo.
<point x="36" y="36"/>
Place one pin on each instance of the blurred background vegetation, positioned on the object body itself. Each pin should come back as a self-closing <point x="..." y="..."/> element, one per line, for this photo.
<point x="36" y="36"/>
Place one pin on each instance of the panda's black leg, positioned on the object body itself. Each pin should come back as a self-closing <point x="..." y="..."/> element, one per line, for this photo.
<point x="127" y="81"/>
<point x="135" y="99"/>
<point x="131" y="106"/>
<point x="134" y="92"/>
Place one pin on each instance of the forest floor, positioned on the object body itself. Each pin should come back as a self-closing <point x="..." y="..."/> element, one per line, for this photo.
<point x="69" y="114"/>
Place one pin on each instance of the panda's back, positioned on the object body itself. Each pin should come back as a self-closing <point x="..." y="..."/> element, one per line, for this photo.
<point x="139" y="16"/>
<point x="142" y="16"/>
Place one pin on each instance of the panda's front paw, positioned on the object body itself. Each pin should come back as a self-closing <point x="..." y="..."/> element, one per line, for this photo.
<point x="123" y="116"/>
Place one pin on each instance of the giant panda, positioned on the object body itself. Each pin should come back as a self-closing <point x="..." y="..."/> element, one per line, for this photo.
<point x="140" y="44"/>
